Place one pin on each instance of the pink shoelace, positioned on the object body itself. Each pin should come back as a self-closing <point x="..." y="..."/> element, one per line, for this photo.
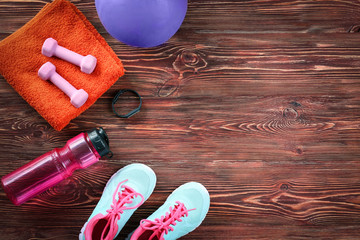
<point x="126" y="196"/>
<point x="162" y="226"/>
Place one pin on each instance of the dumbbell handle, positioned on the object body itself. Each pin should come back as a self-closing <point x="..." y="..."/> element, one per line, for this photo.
<point x="68" y="55"/>
<point x="61" y="83"/>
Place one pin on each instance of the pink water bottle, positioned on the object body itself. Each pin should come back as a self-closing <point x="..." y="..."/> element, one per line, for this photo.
<point x="51" y="168"/>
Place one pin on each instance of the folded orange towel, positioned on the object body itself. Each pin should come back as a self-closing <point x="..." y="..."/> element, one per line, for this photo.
<point x="20" y="59"/>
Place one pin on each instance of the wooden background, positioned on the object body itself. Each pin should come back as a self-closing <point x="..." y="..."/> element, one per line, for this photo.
<point x="258" y="100"/>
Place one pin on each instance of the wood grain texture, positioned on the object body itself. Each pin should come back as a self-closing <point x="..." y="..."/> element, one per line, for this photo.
<point x="258" y="100"/>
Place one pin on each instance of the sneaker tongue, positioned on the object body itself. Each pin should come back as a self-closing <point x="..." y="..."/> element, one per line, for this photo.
<point x="135" y="199"/>
<point x="157" y="228"/>
<point x="126" y="191"/>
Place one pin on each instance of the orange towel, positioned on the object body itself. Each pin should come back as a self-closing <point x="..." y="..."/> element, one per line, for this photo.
<point x="20" y="59"/>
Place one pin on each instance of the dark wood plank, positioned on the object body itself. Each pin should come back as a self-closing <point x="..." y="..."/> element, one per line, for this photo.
<point x="257" y="100"/>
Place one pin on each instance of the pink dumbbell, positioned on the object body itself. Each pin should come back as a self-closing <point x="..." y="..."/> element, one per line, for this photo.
<point x="77" y="97"/>
<point x="51" y="48"/>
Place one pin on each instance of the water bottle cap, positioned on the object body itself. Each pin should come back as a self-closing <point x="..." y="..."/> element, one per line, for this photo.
<point x="100" y="141"/>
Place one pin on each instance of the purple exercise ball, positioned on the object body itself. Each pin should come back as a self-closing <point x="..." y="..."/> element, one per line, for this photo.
<point x="141" y="23"/>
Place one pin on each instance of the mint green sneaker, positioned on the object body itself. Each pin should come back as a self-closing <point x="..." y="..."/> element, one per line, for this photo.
<point x="126" y="190"/>
<point x="182" y="212"/>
